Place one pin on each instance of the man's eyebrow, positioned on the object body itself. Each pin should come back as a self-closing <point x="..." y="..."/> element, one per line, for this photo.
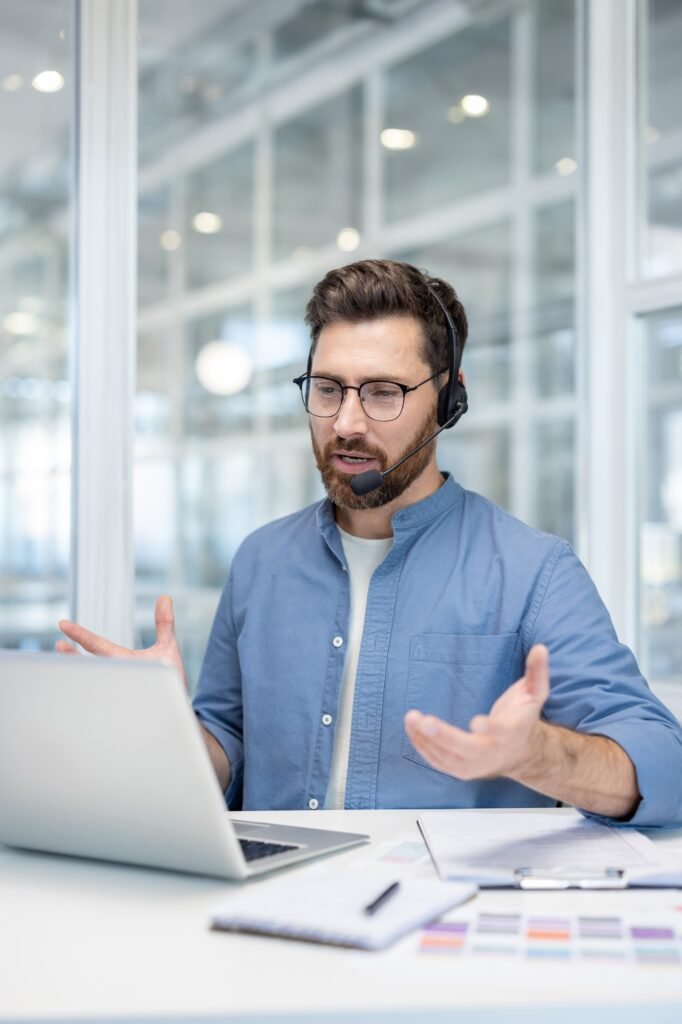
<point x="388" y="379"/>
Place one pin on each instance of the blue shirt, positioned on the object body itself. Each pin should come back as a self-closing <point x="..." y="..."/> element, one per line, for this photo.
<point x="452" y="611"/>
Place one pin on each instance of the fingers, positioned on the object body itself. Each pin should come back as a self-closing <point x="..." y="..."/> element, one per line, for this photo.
<point x="65" y="648"/>
<point x="164" y="617"/>
<point x="90" y="641"/>
<point x="440" y="736"/>
<point x="537" y="673"/>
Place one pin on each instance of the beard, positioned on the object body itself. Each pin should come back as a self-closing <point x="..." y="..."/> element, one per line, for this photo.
<point x="337" y="485"/>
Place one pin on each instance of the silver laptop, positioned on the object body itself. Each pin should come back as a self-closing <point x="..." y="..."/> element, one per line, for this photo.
<point x="104" y="758"/>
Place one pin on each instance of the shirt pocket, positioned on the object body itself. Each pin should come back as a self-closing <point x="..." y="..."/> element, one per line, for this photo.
<point x="457" y="677"/>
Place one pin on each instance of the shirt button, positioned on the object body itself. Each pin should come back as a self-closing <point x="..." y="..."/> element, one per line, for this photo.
<point x="326" y="719"/>
<point x="313" y="804"/>
<point x="338" y="641"/>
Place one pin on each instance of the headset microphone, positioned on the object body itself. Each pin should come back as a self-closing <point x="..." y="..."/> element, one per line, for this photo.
<point x="365" y="483"/>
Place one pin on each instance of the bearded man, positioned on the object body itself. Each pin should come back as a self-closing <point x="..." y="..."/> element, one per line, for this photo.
<point x="390" y="646"/>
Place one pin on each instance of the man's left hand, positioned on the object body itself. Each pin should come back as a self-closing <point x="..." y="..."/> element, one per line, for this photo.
<point x="506" y="741"/>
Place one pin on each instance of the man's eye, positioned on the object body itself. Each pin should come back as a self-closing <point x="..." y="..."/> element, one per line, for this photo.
<point x="327" y="390"/>
<point x="383" y="393"/>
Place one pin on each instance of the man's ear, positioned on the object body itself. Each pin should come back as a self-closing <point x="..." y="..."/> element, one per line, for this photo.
<point x="461" y="378"/>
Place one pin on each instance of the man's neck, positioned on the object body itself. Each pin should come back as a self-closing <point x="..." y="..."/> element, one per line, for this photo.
<point x="375" y="523"/>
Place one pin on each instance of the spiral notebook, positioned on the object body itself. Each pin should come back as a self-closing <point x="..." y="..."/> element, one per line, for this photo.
<point x="330" y="907"/>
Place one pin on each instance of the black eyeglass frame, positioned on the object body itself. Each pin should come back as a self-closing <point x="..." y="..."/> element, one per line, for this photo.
<point x="307" y="377"/>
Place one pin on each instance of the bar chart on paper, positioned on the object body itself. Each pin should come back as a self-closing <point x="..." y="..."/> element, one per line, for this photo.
<point x="558" y="937"/>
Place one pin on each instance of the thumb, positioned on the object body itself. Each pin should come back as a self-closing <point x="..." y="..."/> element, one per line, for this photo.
<point x="165" y="620"/>
<point x="537" y="673"/>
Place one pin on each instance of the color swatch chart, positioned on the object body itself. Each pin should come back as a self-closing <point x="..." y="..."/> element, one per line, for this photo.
<point x="558" y="937"/>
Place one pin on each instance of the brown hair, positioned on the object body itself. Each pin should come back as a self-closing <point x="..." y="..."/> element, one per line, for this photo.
<point x="371" y="289"/>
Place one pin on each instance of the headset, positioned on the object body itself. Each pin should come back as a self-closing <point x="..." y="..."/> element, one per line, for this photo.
<point x="453" y="400"/>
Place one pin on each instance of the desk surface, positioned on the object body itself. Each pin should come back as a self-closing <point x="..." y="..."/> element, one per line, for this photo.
<point x="86" y="940"/>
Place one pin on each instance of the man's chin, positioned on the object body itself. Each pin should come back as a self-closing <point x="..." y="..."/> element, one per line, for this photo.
<point x="340" y="493"/>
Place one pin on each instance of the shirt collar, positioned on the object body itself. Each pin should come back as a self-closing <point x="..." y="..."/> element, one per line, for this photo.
<point x="414" y="516"/>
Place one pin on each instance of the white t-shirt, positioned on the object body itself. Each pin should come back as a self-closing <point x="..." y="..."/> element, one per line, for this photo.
<point x="362" y="558"/>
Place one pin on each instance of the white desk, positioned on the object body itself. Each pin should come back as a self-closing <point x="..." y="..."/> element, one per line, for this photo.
<point x="80" y="940"/>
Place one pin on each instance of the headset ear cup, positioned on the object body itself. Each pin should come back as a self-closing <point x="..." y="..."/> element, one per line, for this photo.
<point x="448" y="403"/>
<point x="443" y="404"/>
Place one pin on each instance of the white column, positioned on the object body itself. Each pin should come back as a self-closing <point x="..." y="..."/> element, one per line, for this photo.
<point x="608" y="543"/>
<point x="104" y="315"/>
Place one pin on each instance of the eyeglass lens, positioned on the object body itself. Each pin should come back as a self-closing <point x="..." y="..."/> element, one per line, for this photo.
<point x="381" y="399"/>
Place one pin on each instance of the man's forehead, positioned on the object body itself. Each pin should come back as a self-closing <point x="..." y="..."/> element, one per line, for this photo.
<point x="389" y="341"/>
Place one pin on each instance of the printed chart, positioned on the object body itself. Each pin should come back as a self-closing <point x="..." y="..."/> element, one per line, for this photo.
<point x="557" y="937"/>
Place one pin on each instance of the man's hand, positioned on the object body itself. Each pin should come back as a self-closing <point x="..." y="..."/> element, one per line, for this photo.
<point x="591" y="772"/>
<point x="504" y="742"/>
<point x="166" y="647"/>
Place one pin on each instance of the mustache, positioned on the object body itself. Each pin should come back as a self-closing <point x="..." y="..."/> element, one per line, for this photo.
<point x="353" y="444"/>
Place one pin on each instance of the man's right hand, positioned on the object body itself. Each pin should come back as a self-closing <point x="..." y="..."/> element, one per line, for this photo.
<point x="166" y="647"/>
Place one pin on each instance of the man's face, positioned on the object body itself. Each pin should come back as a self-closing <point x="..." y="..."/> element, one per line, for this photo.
<point x="352" y="353"/>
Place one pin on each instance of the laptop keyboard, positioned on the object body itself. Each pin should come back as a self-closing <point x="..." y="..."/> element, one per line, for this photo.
<point x="253" y="849"/>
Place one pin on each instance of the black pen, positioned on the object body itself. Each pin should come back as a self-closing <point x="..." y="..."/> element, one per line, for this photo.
<point x="372" y="907"/>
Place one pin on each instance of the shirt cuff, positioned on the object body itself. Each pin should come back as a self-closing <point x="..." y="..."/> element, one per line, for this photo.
<point x="656" y="752"/>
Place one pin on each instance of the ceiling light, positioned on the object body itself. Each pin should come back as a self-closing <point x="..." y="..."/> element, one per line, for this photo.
<point x="651" y="134"/>
<point x="170" y="240"/>
<point x="398" y="138"/>
<point x="348" y="239"/>
<point x="48" y="81"/>
<point x="20" y="323"/>
<point x="475" y="106"/>
<point x="566" y="166"/>
<point x="456" y="115"/>
<point x="223" y="367"/>
<point x="207" y="223"/>
<point x="12" y="82"/>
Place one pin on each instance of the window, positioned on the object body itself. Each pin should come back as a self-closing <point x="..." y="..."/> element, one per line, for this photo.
<point x="35" y="391"/>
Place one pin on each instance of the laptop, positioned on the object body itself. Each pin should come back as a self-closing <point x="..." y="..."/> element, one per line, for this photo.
<point x="104" y="758"/>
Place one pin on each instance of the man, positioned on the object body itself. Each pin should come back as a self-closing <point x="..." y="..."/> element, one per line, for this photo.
<point x="391" y="648"/>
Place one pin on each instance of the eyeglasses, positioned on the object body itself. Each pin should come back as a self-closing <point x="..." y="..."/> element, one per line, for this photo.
<point x="382" y="400"/>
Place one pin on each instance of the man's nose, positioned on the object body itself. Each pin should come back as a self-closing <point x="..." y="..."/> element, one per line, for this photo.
<point x="351" y="417"/>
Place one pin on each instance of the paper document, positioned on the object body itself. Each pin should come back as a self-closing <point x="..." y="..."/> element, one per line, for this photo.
<point x="328" y="906"/>
<point x="542" y="850"/>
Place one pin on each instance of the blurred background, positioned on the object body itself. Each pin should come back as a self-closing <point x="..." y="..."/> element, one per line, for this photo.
<point x="279" y="138"/>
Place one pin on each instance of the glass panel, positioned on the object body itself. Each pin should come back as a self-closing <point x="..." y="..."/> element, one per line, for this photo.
<point x="313" y="24"/>
<point x="219" y="219"/>
<point x="195" y="60"/>
<point x="317" y="178"/>
<point x="35" y="394"/>
<point x="219" y="365"/>
<point x="446" y="131"/>
<point x="554" y="314"/>
<point x="662" y="137"/>
<point x="661" y="528"/>
<point x="158" y="239"/>
<point x="480" y="461"/>
<point x="478" y="265"/>
<point x="554" y="86"/>
<point x="555" y="477"/>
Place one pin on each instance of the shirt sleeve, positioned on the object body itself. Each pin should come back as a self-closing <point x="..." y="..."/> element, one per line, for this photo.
<point x="597" y="688"/>
<point x="218" y="699"/>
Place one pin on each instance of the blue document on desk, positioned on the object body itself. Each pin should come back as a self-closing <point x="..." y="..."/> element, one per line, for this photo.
<point x="543" y="850"/>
